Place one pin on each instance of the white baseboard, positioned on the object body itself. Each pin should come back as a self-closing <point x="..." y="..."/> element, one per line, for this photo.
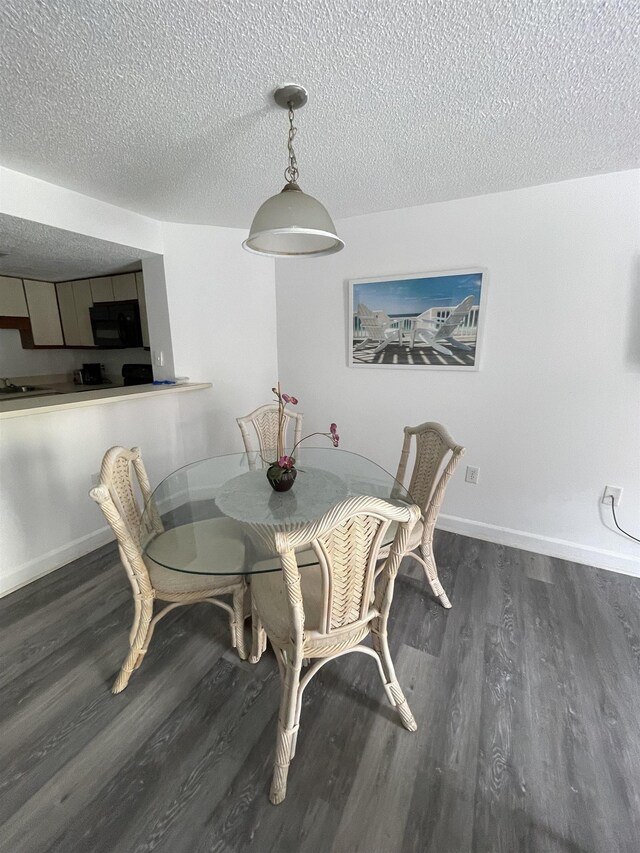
<point x="52" y="560"/>
<point x="625" y="563"/>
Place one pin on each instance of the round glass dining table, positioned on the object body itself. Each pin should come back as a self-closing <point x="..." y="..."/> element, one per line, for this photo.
<point x="181" y="521"/>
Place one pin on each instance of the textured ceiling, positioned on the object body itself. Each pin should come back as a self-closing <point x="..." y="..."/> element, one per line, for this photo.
<point x="162" y="106"/>
<point x="52" y="254"/>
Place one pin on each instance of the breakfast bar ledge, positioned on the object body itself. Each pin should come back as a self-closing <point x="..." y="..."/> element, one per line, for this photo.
<point x="39" y="405"/>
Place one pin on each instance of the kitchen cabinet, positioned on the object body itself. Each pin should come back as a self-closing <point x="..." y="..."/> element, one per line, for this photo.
<point x="84" y="301"/>
<point x="124" y="286"/>
<point x="74" y="299"/>
<point x="68" y="316"/>
<point x="102" y="289"/>
<point x="57" y="315"/>
<point x="43" y="313"/>
<point x="142" y="303"/>
<point x="13" y="302"/>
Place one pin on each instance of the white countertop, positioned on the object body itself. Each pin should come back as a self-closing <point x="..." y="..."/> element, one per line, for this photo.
<point x="68" y="396"/>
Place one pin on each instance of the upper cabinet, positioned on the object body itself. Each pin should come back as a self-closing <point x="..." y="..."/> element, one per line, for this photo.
<point x="13" y="302"/>
<point x="114" y="288"/>
<point x="102" y="289"/>
<point x="124" y="286"/>
<point x="68" y="316"/>
<point x="57" y="315"/>
<point x="43" y="313"/>
<point x="74" y="299"/>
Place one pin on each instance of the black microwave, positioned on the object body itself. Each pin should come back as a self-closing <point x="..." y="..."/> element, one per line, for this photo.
<point x="116" y="325"/>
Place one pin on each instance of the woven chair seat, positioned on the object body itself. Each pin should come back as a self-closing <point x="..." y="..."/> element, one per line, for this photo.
<point x="268" y="588"/>
<point x="222" y="538"/>
<point x="168" y="582"/>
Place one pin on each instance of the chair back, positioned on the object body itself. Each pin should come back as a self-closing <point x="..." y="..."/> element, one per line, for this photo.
<point x="263" y="425"/>
<point x="346" y="542"/>
<point x="456" y="317"/>
<point x="373" y="325"/>
<point x="430" y="473"/>
<point x="116" y="498"/>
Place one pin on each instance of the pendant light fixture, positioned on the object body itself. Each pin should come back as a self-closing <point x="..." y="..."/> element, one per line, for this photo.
<point x="292" y="224"/>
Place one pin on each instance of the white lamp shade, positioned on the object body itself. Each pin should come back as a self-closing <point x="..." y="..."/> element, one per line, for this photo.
<point x="292" y="224"/>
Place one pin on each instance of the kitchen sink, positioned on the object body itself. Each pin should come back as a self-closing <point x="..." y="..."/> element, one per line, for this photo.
<point x="17" y="389"/>
<point x="25" y="391"/>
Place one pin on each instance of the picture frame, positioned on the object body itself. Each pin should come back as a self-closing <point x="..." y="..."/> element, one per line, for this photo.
<point x="418" y="321"/>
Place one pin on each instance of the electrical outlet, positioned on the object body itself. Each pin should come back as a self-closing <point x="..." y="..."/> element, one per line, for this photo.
<point x="612" y="492"/>
<point x="158" y="358"/>
<point x="472" y="475"/>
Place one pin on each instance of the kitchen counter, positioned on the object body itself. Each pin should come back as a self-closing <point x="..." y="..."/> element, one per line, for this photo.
<point x="48" y="388"/>
<point x="66" y="395"/>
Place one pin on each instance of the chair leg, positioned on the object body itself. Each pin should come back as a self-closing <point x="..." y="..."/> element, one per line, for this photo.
<point x="143" y="621"/>
<point x="136" y="619"/>
<point x="381" y="647"/>
<point x="429" y="565"/>
<point x="258" y="636"/>
<point x="296" y="721"/>
<point x="287" y="730"/>
<point x="237" y="630"/>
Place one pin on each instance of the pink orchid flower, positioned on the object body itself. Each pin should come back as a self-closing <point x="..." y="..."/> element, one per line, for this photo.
<point x="287" y="462"/>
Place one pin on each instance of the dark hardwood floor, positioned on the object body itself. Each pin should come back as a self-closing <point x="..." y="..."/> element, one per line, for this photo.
<point x="526" y="695"/>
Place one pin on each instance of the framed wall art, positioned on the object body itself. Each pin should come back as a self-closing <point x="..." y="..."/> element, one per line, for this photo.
<point x="425" y="320"/>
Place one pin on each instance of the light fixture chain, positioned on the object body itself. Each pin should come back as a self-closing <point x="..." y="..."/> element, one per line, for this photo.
<point x="291" y="173"/>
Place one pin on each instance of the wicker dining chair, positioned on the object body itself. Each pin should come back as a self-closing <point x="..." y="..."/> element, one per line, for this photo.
<point x="264" y="422"/>
<point x="327" y="609"/>
<point x="429" y="478"/>
<point x="149" y="580"/>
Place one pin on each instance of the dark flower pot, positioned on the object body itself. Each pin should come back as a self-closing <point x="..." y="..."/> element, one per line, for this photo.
<point x="281" y="479"/>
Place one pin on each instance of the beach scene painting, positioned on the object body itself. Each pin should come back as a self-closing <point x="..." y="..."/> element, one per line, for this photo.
<point x="424" y="320"/>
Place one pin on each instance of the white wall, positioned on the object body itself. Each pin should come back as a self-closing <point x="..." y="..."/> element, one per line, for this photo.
<point x="223" y="320"/>
<point x="47" y="462"/>
<point x="16" y="361"/>
<point x="554" y="412"/>
<point x="223" y="330"/>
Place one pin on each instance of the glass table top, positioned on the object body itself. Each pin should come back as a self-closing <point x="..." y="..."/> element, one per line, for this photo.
<point x="200" y="517"/>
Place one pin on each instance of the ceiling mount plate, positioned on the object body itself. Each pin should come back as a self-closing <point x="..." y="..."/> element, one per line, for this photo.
<point x="290" y="95"/>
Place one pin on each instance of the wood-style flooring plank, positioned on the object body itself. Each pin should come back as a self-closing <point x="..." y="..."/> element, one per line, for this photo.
<point x="29" y="598"/>
<point x="526" y="695"/>
<point x="42" y="739"/>
<point x="606" y="696"/>
<point x="38" y="636"/>
<point x="390" y="752"/>
<point x="59" y="803"/>
<point x="500" y="821"/>
<point x="442" y="805"/>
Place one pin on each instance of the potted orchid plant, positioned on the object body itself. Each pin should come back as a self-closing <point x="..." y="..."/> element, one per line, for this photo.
<point x="282" y="473"/>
